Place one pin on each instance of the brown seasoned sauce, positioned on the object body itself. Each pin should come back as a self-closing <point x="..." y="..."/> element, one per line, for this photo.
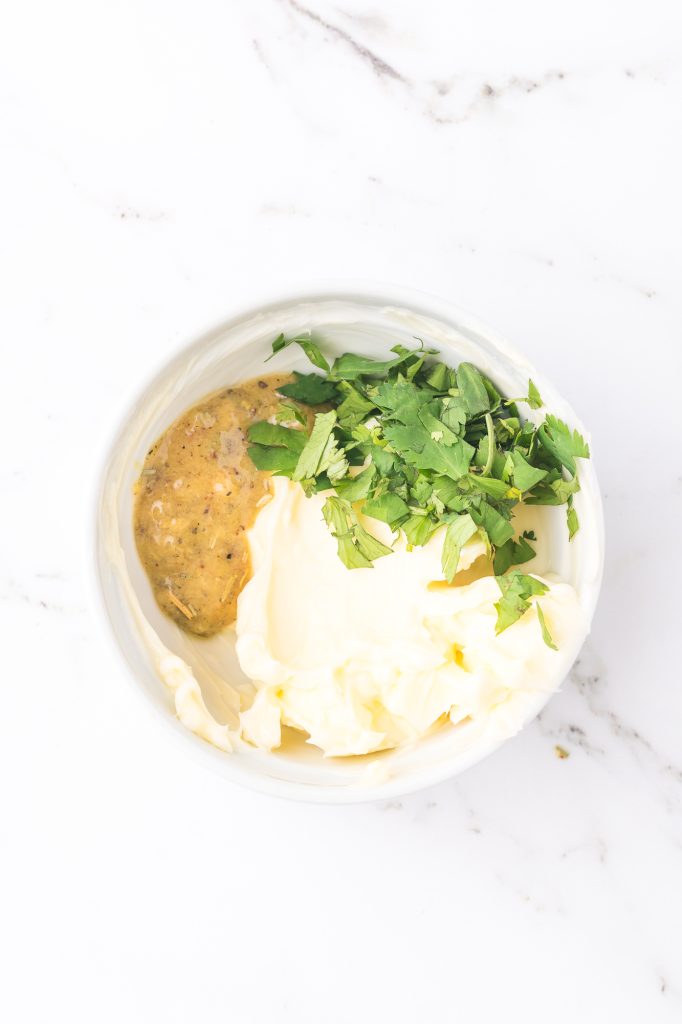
<point x="197" y="495"/>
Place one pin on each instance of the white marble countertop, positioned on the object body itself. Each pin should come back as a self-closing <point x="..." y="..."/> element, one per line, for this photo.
<point x="161" y="162"/>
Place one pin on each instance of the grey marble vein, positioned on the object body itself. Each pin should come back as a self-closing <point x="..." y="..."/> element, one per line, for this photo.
<point x="381" y="67"/>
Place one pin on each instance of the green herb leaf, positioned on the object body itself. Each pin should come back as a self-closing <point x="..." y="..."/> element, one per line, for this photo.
<point x="311" y="455"/>
<point x="497" y="526"/>
<point x="494" y="395"/>
<point x="563" y="443"/>
<point x="287" y="412"/>
<point x="458" y="532"/>
<point x="454" y="414"/>
<point x="565" y="489"/>
<point x="513" y="552"/>
<point x="472" y="389"/>
<point x="534" y="398"/>
<point x="336" y="512"/>
<point x="450" y="461"/>
<point x="278" y="344"/>
<point x="388" y="508"/>
<point x="350" y="367"/>
<point x="421" y="491"/>
<point x="450" y="493"/>
<point x="437" y="429"/>
<point x="368" y="544"/>
<point x="280" y="461"/>
<point x="332" y="461"/>
<point x="354" y="488"/>
<point x="309" y="388"/>
<point x="357" y="548"/>
<point x="384" y="461"/>
<point x="351" y="555"/>
<point x="572" y="522"/>
<point x="491" y="485"/>
<point x="354" y="408"/>
<point x="306" y="342"/>
<point x="525" y="475"/>
<point x="543" y="495"/>
<point x="507" y="428"/>
<point x="401" y="400"/>
<point x="517" y="590"/>
<point x="277" y="436"/>
<point x="441" y="378"/>
<point x="419" y="529"/>
<point x="546" y="635"/>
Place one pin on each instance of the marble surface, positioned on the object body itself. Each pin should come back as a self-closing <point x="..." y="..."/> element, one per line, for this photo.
<point x="161" y="163"/>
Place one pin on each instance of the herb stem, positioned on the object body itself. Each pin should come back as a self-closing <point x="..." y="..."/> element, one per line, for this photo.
<point x="491" y="444"/>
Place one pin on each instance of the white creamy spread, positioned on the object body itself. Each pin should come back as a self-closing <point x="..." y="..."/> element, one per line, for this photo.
<point x="367" y="659"/>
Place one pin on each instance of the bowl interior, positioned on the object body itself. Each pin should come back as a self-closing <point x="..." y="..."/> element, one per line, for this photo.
<point x="236" y="351"/>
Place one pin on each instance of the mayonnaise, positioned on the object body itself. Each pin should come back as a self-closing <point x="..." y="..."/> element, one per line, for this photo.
<point x="367" y="659"/>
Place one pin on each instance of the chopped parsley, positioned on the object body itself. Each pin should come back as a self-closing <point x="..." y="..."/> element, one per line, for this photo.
<point x="418" y="445"/>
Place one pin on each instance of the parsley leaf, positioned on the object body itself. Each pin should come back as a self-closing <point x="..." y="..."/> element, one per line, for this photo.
<point x="517" y="590"/>
<point x="534" y="398"/>
<point x="354" y="488"/>
<point x="419" y="529"/>
<point x="272" y="434"/>
<point x="309" y="388"/>
<point x="494" y="395"/>
<point x="275" y="449"/>
<point x="439" y="431"/>
<point x="311" y="456"/>
<point x="350" y="367"/>
<point x="290" y="413"/>
<point x="332" y="462"/>
<point x="306" y="343"/>
<point x="356" y="547"/>
<point x="525" y="476"/>
<point x="453" y="461"/>
<point x="368" y="544"/>
<point x="280" y="461"/>
<point x="563" y="443"/>
<point x="472" y="389"/>
<point x="572" y="522"/>
<point x="389" y="508"/>
<point x="401" y="400"/>
<point x="354" y="408"/>
<point x="454" y="414"/>
<point x="491" y="485"/>
<point x="546" y="635"/>
<point x="458" y="532"/>
<point x="441" y="378"/>
<point x="513" y="552"/>
<point x="497" y="526"/>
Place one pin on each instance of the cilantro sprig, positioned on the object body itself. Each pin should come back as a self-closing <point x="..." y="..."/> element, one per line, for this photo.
<point x="419" y="445"/>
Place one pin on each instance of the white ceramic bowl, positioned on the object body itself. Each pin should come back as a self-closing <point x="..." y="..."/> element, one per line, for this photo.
<point x="358" y="319"/>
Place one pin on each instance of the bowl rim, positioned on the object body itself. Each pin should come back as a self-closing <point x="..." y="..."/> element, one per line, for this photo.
<point x="377" y="293"/>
